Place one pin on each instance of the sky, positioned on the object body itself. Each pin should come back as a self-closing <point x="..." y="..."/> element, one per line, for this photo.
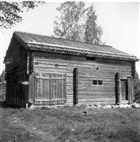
<point x="119" y="21"/>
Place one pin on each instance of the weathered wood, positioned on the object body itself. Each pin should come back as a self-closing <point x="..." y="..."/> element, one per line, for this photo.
<point x="70" y="78"/>
<point x="133" y="68"/>
<point x="87" y="73"/>
<point x="133" y="97"/>
<point x="31" y="88"/>
<point x="50" y="87"/>
<point x="117" y="87"/>
<point x="130" y="90"/>
<point x="31" y="63"/>
<point x="75" y="86"/>
<point x="59" y="56"/>
<point x="97" y="100"/>
<point x="17" y="90"/>
<point x="124" y="90"/>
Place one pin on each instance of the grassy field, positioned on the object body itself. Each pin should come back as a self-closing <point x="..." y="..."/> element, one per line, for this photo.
<point x="70" y="124"/>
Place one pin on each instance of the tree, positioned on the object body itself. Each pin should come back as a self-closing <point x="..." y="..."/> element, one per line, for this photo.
<point x="10" y="11"/>
<point x="93" y="32"/>
<point x="137" y="87"/>
<point x="69" y="24"/>
<point x="2" y="76"/>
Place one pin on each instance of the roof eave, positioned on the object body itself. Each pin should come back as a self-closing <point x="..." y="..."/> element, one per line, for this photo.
<point x="87" y="53"/>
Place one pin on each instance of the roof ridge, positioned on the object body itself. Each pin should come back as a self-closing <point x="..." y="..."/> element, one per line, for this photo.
<point x="62" y="39"/>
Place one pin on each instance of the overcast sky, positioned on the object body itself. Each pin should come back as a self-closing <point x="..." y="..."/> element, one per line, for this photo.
<point x="119" y="20"/>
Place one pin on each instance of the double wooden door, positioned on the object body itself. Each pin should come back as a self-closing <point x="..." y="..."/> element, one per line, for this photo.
<point x="50" y="88"/>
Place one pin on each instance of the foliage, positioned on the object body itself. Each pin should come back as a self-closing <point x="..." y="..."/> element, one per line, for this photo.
<point x="71" y="23"/>
<point x="137" y="86"/>
<point x="2" y="76"/>
<point x="93" y="32"/>
<point x="10" y="11"/>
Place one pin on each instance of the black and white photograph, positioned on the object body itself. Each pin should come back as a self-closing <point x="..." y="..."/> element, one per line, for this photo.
<point x="69" y="71"/>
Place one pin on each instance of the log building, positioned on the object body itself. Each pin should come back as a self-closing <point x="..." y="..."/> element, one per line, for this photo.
<point x="43" y="70"/>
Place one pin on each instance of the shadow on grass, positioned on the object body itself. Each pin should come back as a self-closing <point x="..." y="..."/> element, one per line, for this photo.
<point x="3" y="103"/>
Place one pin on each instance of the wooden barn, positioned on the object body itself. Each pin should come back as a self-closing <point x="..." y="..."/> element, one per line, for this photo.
<point x="43" y="70"/>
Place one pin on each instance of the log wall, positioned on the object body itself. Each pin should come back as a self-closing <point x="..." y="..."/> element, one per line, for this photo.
<point x="88" y="70"/>
<point x="16" y="78"/>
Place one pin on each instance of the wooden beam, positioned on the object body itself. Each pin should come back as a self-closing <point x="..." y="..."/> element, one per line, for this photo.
<point x="117" y="88"/>
<point x="31" y="62"/>
<point x="75" y="86"/>
<point x="129" y="81"/>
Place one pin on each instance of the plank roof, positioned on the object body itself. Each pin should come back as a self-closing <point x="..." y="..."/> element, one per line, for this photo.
<point x="58" y="45"/>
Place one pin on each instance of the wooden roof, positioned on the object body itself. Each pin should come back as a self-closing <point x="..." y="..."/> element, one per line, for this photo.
<point x="58" y="45"/>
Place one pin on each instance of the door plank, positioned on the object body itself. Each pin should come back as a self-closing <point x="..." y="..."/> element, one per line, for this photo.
<point x="50" y="87"/>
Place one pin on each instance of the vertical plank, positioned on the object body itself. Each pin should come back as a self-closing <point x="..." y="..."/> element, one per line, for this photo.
<point x="62" y="96"/>
<point x="31" y="63"/>
<point x="75" y="86"/>
<point x="48" y="89"/>
<point x="31" y="88"/>
<point x="51" y="88"/>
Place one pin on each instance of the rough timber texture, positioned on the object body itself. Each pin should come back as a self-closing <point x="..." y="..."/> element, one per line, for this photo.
<point x="75" y="86"/>
<point x="69" y="72"/>
<point x="16" y="77"/>
<point x="87" y="72"/>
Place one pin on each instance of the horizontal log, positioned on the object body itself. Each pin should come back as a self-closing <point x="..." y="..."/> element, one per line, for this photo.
<point x="60" y="56"/>
<point x="90" y="84"/>
<point x="93" y="96"/>
<point x="52" y="78"/>
<point x="69" y="96"/>
<point x="97" y="100"/>
<point x="96" y="103"/>
<point x="69" y="87"/>
<point x="49" y="66"/>
<point x="50" y="62"/>
<point x="107" y="61"/>
<point x="71" y="65"/>
<point x="94" y="92"/>
<point x="69" y="74"/>
<point x="43" y="99"/>
<point x="49" y="70"/>
<point x="69" y="91"/>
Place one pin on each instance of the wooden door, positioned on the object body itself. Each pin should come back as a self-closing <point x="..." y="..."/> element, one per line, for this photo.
<point x="124" y="92"/>
<point x="50" y="88"/>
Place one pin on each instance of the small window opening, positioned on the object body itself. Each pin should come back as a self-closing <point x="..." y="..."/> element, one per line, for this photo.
<point x="100" y="82"/>
<point x="94" y="82"/>
<point x="97" y="82"/>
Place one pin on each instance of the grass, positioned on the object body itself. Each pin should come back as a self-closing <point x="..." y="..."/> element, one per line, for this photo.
<point x="69" y="124"/>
